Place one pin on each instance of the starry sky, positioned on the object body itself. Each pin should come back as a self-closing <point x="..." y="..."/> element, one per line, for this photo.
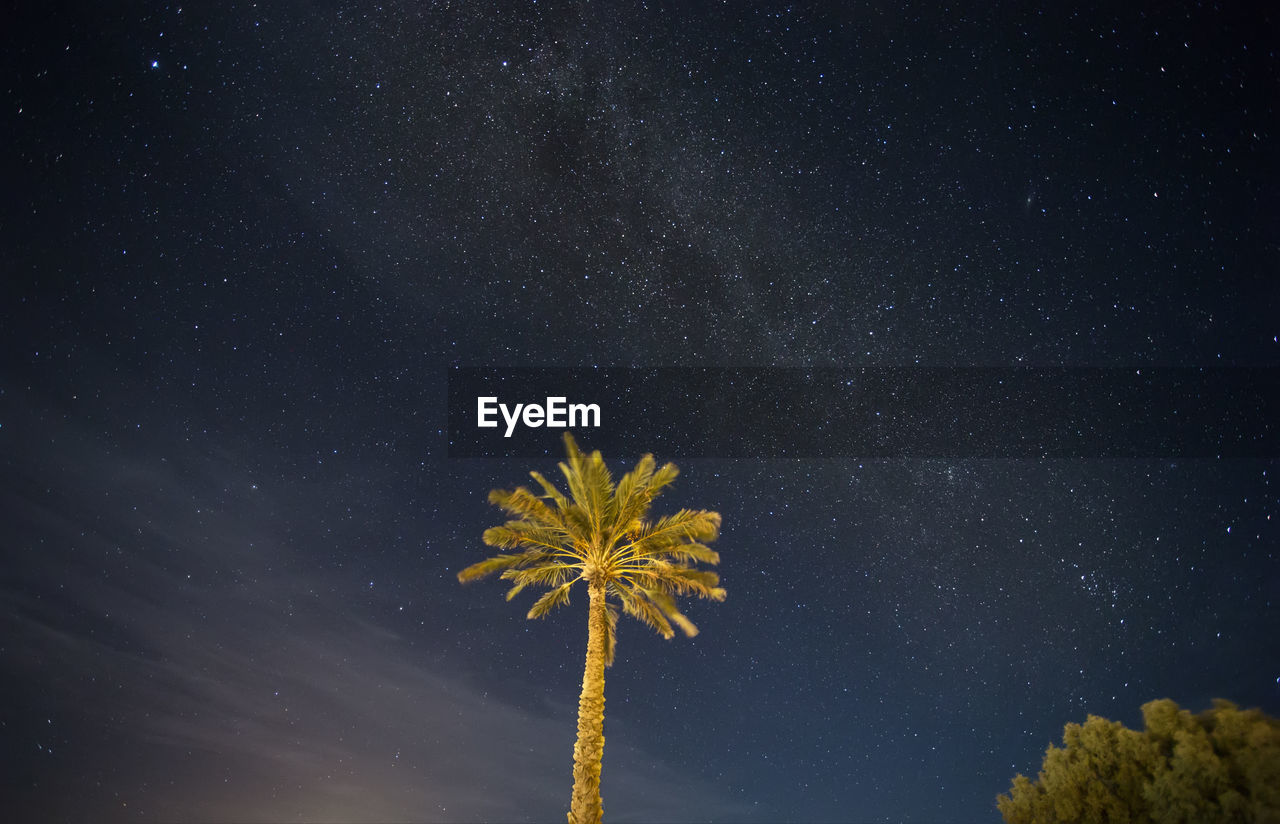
<point x="245" y="242"/>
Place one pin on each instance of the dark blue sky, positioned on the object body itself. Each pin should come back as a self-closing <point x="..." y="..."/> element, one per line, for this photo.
<point x="245" y="243"/>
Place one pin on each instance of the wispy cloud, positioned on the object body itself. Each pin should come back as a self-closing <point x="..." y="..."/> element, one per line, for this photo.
<point x="227" y="683"/>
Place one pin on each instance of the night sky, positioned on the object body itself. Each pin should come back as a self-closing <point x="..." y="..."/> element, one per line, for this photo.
<point x="244" y="243"/>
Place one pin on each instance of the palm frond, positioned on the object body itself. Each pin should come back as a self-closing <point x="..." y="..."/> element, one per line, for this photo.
<point x="539" y="534"/>
<point x="591" y="487"/>
<point x="550" y="600"/>
<point x="635" y="604"/>
<point x="631" y="488"/>
<point x="547" y="574"/>
<point x="527" y="534"/>
<point x="643" y="484"/>
<point x="577" y="523"/>
<point x="514" y="534"/>
<point x="688" y="526"/>
<point x="661" y="480"/>
<point x="668" y="606"/>
<point x="524" y="504"/>
<point x="554" y="494"/>
<point x="691" y="551"/>
<point x="611" y="633"/>
<point x="573" y="471"/>
<point x="602" y="503"/>
<point x="500" y="562"/>
<point x="501" y="536"/>
<point x="676" y="579"/>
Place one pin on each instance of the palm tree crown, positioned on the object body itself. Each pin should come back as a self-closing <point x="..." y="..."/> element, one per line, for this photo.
<point x="599" y="534"/>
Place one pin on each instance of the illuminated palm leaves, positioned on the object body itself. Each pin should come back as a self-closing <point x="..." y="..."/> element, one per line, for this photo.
<point x="598" y="532"/>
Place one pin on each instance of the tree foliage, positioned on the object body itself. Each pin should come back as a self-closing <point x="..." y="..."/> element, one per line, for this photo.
<point x="1221" y="766"/>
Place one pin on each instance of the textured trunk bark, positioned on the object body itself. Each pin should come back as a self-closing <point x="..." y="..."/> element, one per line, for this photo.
<point x="585" y="807"/>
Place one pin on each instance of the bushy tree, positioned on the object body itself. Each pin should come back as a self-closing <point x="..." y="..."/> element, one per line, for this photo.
<point x="1221" y="766"/>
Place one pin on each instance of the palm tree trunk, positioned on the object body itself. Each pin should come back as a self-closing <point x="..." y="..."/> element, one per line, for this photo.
<point x="585" y="807"/>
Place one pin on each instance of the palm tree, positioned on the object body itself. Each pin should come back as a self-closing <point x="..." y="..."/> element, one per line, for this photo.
<point x="599" y="535"/>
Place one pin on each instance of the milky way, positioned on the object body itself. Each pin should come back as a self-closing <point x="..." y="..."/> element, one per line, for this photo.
<point x="245" y="244"/>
